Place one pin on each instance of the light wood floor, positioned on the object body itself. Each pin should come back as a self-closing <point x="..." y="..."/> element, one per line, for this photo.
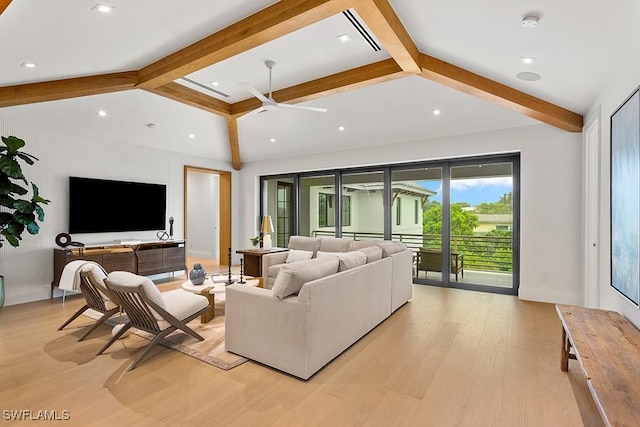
<point x="447" y="358"/>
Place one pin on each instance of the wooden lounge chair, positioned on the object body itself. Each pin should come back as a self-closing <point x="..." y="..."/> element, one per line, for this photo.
<point x="148" y="309"/>
<point x="96" y="295"/>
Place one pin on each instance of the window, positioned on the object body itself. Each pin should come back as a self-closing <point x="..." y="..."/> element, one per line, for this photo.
<point x="416" y="212"/>
<point x="398" y="211"/>
<point x="346" y="210"/>
<point x="326" y="217"/>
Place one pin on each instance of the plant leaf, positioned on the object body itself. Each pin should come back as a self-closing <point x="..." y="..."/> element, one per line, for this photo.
<point x="12" y="168"/>
<point x="13" y="143"/>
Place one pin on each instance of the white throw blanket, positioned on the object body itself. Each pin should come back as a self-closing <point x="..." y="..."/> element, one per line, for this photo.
<point x="70" y="278"/>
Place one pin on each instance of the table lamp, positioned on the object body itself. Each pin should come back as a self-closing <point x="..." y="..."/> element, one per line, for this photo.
<point x="265" y="229"/>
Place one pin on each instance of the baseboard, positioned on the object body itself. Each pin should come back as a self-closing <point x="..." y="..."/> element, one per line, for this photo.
<point x="550" y="296"/>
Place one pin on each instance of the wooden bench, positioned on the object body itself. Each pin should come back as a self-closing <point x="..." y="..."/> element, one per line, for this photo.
<point x="608" y="349"/>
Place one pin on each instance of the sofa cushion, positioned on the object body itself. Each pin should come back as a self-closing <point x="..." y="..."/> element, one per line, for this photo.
<point x="292" y="276"/>
<point x="332" y="244"/>
<point x="355" y="245"/>
<point x="305" y="243"/>
<point x="296" y="255"/>
<point x="351" y="259"/>
<point x="322" y="254"/>
<point x="274" y="270"/>
<point x="389" y="248"/>
<point x="373" y="253"/>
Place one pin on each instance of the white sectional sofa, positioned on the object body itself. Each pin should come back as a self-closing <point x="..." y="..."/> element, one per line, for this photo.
<point x="317" y="308"/>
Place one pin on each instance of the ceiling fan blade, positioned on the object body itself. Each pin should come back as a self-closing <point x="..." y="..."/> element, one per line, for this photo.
<point x="302" y="107"/>
<point x="255" y="92"/>
<point x="253" y="112"/>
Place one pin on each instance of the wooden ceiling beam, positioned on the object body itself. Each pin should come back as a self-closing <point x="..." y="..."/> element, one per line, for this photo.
<point x="366" y="75"/>
<point x="388" y="29"/>
<point x="67" y="88"/>
<point x="188" y="96"/>
<point x="465" y="81"/>
<point x="277" y="20"/>
<point x="3" y="5"/>
<point x="234" y="144"/>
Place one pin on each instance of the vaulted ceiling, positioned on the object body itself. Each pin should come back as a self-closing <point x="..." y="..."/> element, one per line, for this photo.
<point x="458" y="57"/>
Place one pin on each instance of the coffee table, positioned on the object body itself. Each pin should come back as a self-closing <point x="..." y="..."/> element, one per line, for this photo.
<point x="216" y="285"/>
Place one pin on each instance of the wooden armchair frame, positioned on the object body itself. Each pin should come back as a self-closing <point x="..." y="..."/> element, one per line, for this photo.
<point x="140" y="312"/>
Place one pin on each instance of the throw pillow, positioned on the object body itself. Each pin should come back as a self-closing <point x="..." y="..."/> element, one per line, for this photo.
<point x="333" y="244"/>
<point x="325" y="255"/>
<point x="373" y="253"/>
<point x="356" y="245"/>
<point x="298" y="255"/>
<point x="350" y="260"/>
<point x="389" y="248"/>
<point x="291" y="277"/>
<point x="304" y="243"/>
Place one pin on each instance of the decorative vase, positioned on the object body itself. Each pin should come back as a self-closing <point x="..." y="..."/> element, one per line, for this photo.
<point x="1" y="291"/>
<point x="197" y="275"/>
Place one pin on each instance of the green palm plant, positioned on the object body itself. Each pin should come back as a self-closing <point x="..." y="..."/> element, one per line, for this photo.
<point x="16" y="213"/>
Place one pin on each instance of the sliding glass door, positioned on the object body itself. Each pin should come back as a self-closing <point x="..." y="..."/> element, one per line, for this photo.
<point x="460" y="217"/>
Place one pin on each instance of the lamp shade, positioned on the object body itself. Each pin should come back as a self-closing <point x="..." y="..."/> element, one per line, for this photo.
<point x="267" y="225"/>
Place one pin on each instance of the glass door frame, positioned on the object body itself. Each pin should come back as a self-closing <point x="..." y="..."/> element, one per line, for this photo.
<point x="387" y="170"/>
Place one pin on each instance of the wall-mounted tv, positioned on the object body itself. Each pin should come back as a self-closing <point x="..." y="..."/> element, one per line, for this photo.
<point x="100" y="206"/>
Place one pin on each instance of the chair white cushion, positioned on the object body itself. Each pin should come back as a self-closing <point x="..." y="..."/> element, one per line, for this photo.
<point x="296" y="255"/>
<point x="182" y="304"/>
<point x="292" y="276"/>
<point x="98" y="275"/>
<point x="124" y="278"/>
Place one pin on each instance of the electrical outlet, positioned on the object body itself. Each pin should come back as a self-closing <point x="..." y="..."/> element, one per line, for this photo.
<point x="545" y="276"/>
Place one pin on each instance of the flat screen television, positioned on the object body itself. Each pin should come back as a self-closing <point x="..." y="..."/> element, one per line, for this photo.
<point x="100" y="206"/>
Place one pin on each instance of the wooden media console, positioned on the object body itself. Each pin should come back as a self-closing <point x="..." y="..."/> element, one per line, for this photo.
<point x="143" y="258"/>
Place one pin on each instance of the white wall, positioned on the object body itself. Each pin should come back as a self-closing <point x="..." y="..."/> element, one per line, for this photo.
<point x="611" y="96"/>
<point x="202" y="208"/>
<point x="28" y="269"/>
<point x="550" y="195"/>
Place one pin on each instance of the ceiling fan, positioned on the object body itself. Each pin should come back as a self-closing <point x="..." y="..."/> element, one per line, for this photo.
<point x="268" y="103"/>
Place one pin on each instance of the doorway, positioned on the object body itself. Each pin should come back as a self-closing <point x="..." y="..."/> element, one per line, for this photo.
<point x="207" y="213"/>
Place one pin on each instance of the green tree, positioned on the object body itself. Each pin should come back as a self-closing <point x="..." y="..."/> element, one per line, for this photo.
<point x="502" y="206"/>
<point x="462" y="222"/>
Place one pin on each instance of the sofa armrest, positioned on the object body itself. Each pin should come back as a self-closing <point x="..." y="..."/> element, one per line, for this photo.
<point x="266" y="329"/>
<point x="271" y="259"/>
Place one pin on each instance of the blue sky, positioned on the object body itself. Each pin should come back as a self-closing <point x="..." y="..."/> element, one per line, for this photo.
<point x="473" y="191"/>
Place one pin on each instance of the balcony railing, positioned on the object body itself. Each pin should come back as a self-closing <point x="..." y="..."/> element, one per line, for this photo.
<point x="482" y="253"/>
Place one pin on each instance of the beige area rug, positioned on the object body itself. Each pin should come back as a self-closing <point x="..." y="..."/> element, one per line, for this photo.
<point x="211" y="350"/>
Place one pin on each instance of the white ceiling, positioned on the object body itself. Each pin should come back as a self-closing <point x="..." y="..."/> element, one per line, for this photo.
<point x="578" y="45"/>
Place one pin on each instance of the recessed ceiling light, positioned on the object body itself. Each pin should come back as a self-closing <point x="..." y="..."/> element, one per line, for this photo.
<point x="28" y="65"/>
<point x="272" y="140"/>
<point x="529" y="21"/>
<point x="214" y="83"/>
<point x="101" y="113"/>
<point x="341" y="128"/>
<point x="344" y="38"/>
<point x="527" y="59"/>
<point x="436" y="112"/>
<point x="528" y="76"/>
<point x="102" y="8"/>
<point x="191" y="136"/>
